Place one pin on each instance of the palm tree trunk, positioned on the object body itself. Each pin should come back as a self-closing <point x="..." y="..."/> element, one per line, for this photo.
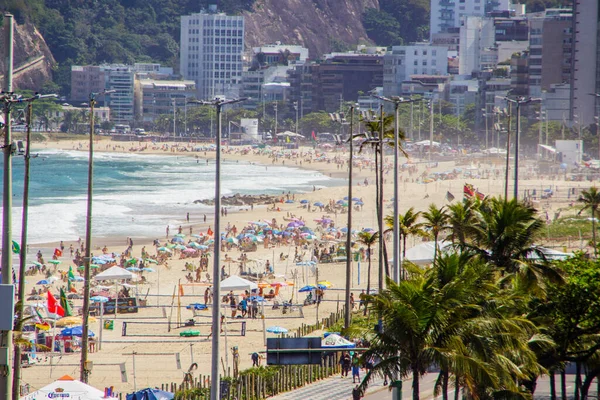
<point x="456" y="388"/>
<point x="563" y="384"/>
<point x="552" y="386"/>
<point x="368" y="279"/>
<point x="435" y="241"/>
<point x="594" y="232"/>
<point x="416" y="389"/>
<point x="445" y="378"/>
<point x="577" y="379"/>
<point x="403" y="272"/>
<point x="379" y="210"/>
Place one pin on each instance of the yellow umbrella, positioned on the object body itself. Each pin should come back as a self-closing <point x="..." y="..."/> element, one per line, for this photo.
<point x="327" y="284"/>
<point x="73" y="320"/>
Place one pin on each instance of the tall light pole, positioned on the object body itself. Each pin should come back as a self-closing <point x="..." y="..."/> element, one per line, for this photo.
<point x="83" y="367"/>
<point x="518" y="102"/>
<point x="296" y="107"/>
<point x="397" y="101"/>
<point x="485" y="114"/>
<point x="23" y="250"/>
<point x="174" y="118"/>
<point x="216" y="317"/>
<point x="6" y="343"/>
<point x="347" y="312"/>
<point x="540" y="118"/>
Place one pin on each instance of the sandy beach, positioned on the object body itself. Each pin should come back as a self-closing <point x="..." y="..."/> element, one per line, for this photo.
<point x="157" y="349"/>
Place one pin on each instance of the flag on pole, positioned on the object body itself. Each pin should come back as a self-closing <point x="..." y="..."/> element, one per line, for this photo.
<point x="449" y="196"/>
<point x="209" y="232"/>
<point x="65" y="304"/>
<point x="314" y="136"/>
<point x="54" y="307"/>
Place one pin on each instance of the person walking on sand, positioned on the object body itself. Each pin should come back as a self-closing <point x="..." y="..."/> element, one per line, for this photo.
<point x="187" y="217"/>
<point x="167" y="231"/>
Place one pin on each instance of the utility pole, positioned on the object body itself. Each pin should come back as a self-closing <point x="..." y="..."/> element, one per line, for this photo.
<point x="597" y="118"/>
<point x="347" y="311"/>
<point x="519" y="101"/>
<point x="431" y="128"/>
<point x="397" y="101"/>
<point x="83" y="366"/>
<point x="23" y="250"/>
<point x="216" y="317"/>
<point x="380" y="216"/>
<point x="174" y="119"/>
<point x="6" y="342"/>
<point x="507" y="171"/>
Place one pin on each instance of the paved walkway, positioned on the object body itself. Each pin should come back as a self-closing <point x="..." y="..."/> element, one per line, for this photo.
<point x="334" y="388"/>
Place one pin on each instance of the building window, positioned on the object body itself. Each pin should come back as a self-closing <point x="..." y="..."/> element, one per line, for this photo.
<point x="415" y="62"/>
<point x="434" y="53"/>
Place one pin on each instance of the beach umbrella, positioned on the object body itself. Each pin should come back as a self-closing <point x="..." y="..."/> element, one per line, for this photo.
<point x="196" y="236"/>
<point x="76" y="331"/>
<point x="303" y="201"/>
<point x="37" y="264"/>
<point x="189" y="251"/>
<point x="35" y="297"/>
<point x="276" y="329"/>
<point x="99" y="261"/>
<point x="280" y="284"/>
<point x="132" y="261"/>
<point x="318" y="204"/>
<point x="94" y="266"/>
<point x="180" y="247"/>
<point x="148" y="269"/>
<point x="55" y="262"/>
<point x="44" y="282"/>
<point x="74" y="296"/>
<point x="359" y="203"/>
<point x="177" y="240"/>
<point x="325" y="283"/>
<point x="202" y="247"/>
<point x="180" y="235"/>
<point x="232" y="240"/>
<point x="341" y="201"/>
<point x="163" y="249"/>
<point x="73" y="320"/>
<point x="322" y="287"/>
<point x="289" y="201"/>
<point x="78" y="279"/>
<point x="307" y="288"/>
<point x="256" y="298"/>
<point x="99" y="299"/>
<point x="133" y="269"/>
<point x="344" y="230"/>
<point x="151" y="261"/>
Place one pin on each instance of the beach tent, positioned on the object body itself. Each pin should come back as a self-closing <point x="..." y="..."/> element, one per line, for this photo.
<point x="427" y="143"/>
<point x="115" y="274"/>
<point x="151" y="394"/>
<point x="422" y="254"/>
<point x="66" y="387"/>
<point x="234" y="282"/>
<point x="550" y="254"/>
<point x="336" y="341"/>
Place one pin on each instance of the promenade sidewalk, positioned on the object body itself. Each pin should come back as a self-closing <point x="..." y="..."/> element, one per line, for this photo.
<point x="334" y="388"/>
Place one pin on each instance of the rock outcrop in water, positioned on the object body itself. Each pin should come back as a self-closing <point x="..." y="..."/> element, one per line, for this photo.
<point x="242" y="200"/>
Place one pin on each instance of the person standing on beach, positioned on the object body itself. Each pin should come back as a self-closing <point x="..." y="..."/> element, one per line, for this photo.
<point x="187" y="217"/>
<point x="204" y="217"/>
<point x="167" y="231"/>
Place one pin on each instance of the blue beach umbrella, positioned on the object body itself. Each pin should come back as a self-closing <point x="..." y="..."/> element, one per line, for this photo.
<point x="303" y="201"/>
<point x="99" y="299"/>
<point x="44" y="282"/>
<point x="307" y="288"/>
<point x="151" y="394"/>
<point x="177" y="240"/>
<point x="276" y="329"/>
<point x="75" y="331"/>
<point x="289" y="201"/>
<point x="318" y="204"/>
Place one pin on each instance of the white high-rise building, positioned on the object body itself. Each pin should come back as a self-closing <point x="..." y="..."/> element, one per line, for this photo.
<point x="449" y="15"/>
<point x="212" y="46"/>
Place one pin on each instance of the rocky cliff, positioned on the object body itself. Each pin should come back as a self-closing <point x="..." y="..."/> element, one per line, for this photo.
<point x="319" y="25"/>
<point x="33" y="61"/>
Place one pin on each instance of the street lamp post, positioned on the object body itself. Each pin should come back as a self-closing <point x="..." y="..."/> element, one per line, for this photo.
<point x="216" y="318"/>
<point x="485" y="114"/>
<point x="518" y="102"/>
<point x="397" y="101"/>
<point x="84" y="371"/>
<point x="23" y="250"/>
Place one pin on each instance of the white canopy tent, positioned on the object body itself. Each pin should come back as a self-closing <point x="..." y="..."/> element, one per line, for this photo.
<point x="427" y="143"/>
<point x="66" y="387"/>
<point x="288" y="133"/>
<point x="115" y="274"/>
<point x="422" y="254"/>
<point x="234" y="282"/>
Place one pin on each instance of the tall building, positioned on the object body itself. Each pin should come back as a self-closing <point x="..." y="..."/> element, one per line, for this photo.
<point x="86" y="79"/>
<point x="212" y="46"/>
<point x="550" y="44"/>
<point x="156" y="97"/>
<point x="404" y="62"/>
<point x="121" y="79"/>
<point x="448" y="15"/>
<point x="585" y="61"/>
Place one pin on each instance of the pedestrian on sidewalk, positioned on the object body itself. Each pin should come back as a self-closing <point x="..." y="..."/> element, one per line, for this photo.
<point x="346" y="363"/>
<point x="355" y="369"/>
<point x="357" y="393"/>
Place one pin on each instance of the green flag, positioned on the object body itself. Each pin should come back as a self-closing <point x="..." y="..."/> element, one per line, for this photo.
<point x="65" y="304"/>
<point x="15" y="247"/>
<point x="71" y="275"/>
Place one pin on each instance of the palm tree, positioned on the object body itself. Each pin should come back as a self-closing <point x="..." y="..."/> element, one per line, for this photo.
<point x="368" y="239"/>
<point x="504" y="233"/>
<point x="408" y="224"/>
<point x="436" y="220"/>
<point x="591" y="200"/>
<point x="461" y="217"/>
<point x="371" y="134"/>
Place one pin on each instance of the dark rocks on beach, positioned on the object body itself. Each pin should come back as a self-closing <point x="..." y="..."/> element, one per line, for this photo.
<point x="241" y="200"/>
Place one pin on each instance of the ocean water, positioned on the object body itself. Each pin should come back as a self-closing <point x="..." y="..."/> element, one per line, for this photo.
<point x="135" y="195"/>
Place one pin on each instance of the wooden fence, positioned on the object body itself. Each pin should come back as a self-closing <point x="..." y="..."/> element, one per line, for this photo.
<point x="252" y="385"/>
